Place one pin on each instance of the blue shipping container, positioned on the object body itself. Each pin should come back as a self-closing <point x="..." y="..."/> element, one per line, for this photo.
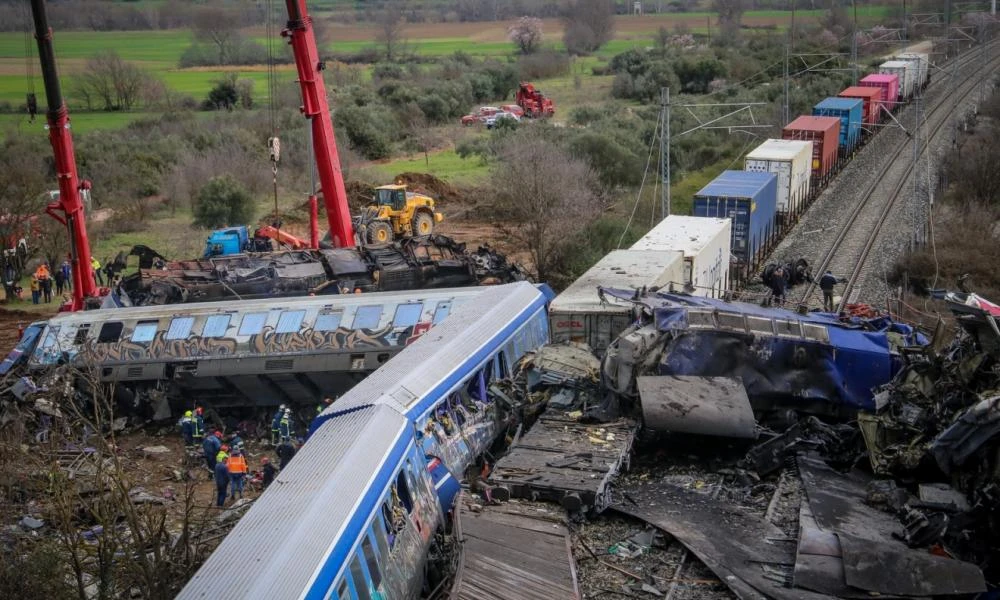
<point x="851" y="113"/>
<point x="750" y="201"/>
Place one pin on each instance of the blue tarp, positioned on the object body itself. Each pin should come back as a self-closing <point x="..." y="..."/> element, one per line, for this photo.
<point x="781" y="369"/>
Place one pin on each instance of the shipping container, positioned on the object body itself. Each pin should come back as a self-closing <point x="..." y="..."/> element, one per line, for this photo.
<point x="906" y="73"/>
<point x="824" y="133"/>
<point x="872" y="99"/>
<point x="889" y="84"/>
<point x="579" y="314"/>
<point x="848" y="110"/>
<point x="749" y="200"/>
<point x="705" y="244"/>
<point x="922" y="64"/>
<point x="791" y="161"/>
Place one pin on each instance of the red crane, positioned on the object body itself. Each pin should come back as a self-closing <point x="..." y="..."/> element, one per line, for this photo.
<point x="315" y="108"/>
<point x="68" y="210"/>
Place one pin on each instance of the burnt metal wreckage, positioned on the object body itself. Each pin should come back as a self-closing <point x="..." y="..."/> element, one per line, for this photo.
<point x="434" y="261"/>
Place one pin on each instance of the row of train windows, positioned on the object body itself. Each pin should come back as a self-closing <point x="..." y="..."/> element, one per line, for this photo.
<point x="367" y="568"/>
<point x="290" y="321"/>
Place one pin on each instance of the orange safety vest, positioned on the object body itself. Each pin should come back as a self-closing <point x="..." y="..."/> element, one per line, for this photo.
<point x="237" y="464"/>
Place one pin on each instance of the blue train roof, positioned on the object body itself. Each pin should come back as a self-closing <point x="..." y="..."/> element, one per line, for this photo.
<point x="840" y="103"/>
<point x="737" y="184"/>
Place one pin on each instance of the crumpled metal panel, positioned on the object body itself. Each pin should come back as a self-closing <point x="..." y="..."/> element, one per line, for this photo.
<point x="698" y="405"/>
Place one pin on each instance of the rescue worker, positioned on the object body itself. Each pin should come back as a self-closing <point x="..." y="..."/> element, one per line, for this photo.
<point x="285" y="426"/>
<point x="826" y="283"/>
<point x="236" y="443"/>
<point x="96" y="266"/>
<point x="67" y="274"/>
<point x="187" y="428"/>
<point x="276" y="425"/>
<point x="237" y="465"/>
<point x="778" y="285"/>
<point x="199" y="426"/>
<point x="211" y="446"/>
<point x="221" y="476"/>
<point x="268" y="471"/>
<point x="36" y="290"/>
<point x="285" y="453"/>
<point x="327" y="401"/>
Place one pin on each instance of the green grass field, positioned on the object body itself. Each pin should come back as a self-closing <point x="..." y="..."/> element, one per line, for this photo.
<point x="444" y="164"/>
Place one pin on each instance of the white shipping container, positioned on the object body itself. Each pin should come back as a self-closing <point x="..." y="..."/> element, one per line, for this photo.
<point x="922" y="62"/>
<point x="705" y="244"/>
<point x="906" y="73"/>
<point x="579" y="315"/>
<point x="791" y="161"/>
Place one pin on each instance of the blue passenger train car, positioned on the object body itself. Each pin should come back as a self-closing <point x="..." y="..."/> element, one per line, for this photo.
<point x="851" y="114"/>
<point x="750" y="201"/>
<point x="354" y="515"/>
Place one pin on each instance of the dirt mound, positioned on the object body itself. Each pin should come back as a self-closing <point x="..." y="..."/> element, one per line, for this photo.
<point x="425" y="183"/>
<point x="359" y="194"/>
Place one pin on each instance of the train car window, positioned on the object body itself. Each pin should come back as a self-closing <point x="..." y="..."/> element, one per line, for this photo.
<point x="381" y="540"/>
<point x="343" y="591"/>
<point x="360" y="581"/>
<point x="46" y="351"/>
<point x="367" y="317"/>
<point x="290" y="321"/>
<point x="372" y="561"/>
<point x="110" y="332"/>
<point x="403" y="491"/>
<point x="216" y="326"/>
<point x="328" y="321"/>
<point x="253" y="323"/>
<point x="81" y="334"/>
<point x="504" y="368"/>
<point x="144" y="331"/>
<point x="180" y="328"/>
<point x="443" y="308"/>
<point x="407" y="315"/>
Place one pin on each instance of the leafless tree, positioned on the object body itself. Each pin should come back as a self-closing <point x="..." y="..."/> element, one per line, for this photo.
<point x="110" y="83"/>
<point x="542" y="197"/>
<point x="22" y="179"/>
<point x="391" y="30"/>
<point x="526" y="34"/>
<point x="589" y="24"/>
<point x="219" y="26"/>
<point x="730" y="15"/>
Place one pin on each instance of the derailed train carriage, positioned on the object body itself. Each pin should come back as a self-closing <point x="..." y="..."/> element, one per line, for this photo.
<point x="413" y="263"/>
<point x="352" y="520"/>
<point x="250" y="353"/>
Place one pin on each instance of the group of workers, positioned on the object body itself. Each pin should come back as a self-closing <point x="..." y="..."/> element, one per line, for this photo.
<point x="779" y="285"/>
<point x="43" y="279"/>
<point x="227" y="459"/>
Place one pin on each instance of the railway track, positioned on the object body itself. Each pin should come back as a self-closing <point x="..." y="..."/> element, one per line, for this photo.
<point x="858" y="235"/>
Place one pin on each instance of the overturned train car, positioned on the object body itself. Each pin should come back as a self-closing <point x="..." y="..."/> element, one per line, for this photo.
<point x="814" y="362"/>
<point x="251" y="353"/>
<point x="414" y="263"/>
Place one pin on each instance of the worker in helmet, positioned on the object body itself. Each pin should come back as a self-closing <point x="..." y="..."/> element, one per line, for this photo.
<point x="187" y="428"/>
<point x="199" y="426"/>
<point x="268" y="471"/>
<point x="211" y="446"/>
<point x="325" y="404"/>
<point x="276" y="425"/>
<point x="237" y="465"/>
<point x="285" y="426"/>
<point x="96" y="266"/>
<point x="221" y="475"/>
<point x="236" y="444"/>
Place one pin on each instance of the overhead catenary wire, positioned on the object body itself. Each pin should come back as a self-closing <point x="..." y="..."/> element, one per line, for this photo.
<point x="642" y="183"/>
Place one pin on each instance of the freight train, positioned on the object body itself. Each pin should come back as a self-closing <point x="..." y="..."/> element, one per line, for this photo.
<point x="358" y="520"/>
<point x="812" y="150"/>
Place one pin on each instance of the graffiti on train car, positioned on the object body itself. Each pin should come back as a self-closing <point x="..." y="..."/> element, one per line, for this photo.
<point x="158" y="347"/>
<point x="268" y="342"/>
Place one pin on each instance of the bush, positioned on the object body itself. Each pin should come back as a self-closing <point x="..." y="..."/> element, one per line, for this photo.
<point x="225" y="95"/>
<point x="542" y="65"/>
<point x="370" y="129"/>
<point x="223" y="201"/>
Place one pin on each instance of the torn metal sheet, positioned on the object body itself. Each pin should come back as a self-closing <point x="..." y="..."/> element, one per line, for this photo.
<point x="716" y="406"/>
<point x="976" y="426"/>
<point x="942" y="496"/>
<point x="734" y="544"/>
<point x="838" y="504"/>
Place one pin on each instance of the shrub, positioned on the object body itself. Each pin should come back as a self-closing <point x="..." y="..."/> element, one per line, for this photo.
<point x="223" y="201"/>
<point x="542" y="65"/>
<point x="225" y="95"/>
<point x="370" y="129"/>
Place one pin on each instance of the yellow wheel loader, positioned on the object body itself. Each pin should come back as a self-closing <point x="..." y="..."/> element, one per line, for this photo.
<point x="397" y="213"/>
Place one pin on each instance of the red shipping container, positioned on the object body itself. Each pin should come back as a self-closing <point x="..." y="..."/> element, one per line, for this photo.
<point x="824" y="133"/>
<point x="889" y="84"/>
<point x="872" y="97"/>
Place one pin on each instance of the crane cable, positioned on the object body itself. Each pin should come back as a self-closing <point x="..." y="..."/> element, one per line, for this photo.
<point x="31" y="101"/>
<point x="273" y="142"/>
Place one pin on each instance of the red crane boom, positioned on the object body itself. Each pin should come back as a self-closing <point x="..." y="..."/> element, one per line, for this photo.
<point x="315" y="108"/>
<point x="69" y="209"/>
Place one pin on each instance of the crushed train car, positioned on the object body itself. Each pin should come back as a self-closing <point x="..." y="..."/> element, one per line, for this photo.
<point x="814" y="362"/>
<point x="414" y="263"/>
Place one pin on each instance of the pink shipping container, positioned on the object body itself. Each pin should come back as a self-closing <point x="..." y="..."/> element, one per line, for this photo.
<point x="824" y="133"/>
<point x="889" y="84"/>
<point x="872" y="97"/>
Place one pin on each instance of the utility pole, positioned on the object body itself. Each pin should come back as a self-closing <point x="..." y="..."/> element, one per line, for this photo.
<point x="784" y="108"/>
<point x="854" y="44"/>
<point x="665" y="152"/>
